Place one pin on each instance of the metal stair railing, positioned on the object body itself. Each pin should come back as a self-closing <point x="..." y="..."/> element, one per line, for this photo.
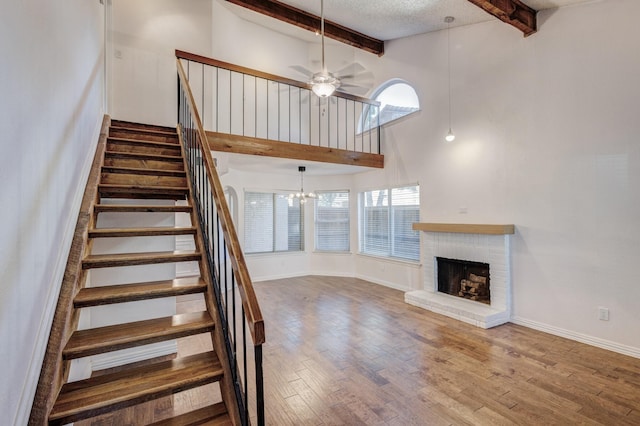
<point x="234" y="293"/>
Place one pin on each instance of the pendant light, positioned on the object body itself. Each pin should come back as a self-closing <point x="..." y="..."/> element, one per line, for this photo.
<point x="303" y="196"/>
<point x="323" y="83"/>
<point x="449" y="19"/>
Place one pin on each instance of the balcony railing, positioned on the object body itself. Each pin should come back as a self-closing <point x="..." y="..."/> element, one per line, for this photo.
<point x="242" y="101"/>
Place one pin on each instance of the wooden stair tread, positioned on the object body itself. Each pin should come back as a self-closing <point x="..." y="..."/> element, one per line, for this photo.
<point x="99" y="340"/>
<point x="141" y="171"/>
<point x="213" y="415"/>
<point x="143" y="156"/>
<point x="115" y="187"/>
<point x="95" y="296"/>
<point x="139" y="208"/>
<point x="131" y="259"/>
<point x="142" y="191"/>
<point x="139" y="232"/>
<point x="97" y="395"/>
<point x="130" y="125"/>
<point x="143" y="142"/>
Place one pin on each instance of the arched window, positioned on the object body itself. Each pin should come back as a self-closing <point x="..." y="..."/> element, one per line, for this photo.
<point x="397" y="98"/>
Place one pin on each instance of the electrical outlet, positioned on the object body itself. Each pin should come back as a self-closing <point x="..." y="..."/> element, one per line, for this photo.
<point x="603" y="314"/>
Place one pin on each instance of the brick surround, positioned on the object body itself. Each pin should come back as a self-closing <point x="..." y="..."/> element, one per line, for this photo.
<point x="491" y="249"/>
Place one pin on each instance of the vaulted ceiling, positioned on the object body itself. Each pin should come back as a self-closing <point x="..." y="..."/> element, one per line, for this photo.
<point x="366" y="24"/>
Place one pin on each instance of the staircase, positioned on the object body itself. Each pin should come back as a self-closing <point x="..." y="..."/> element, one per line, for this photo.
<point x="143" y="163"/>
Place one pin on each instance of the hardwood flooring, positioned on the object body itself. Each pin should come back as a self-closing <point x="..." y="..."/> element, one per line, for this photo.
<point x="342" y="351"/>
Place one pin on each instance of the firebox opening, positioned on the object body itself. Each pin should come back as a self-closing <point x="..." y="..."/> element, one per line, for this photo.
<point x="464" y="278"/>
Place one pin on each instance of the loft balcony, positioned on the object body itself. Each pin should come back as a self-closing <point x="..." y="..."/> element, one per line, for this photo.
<point x="245" y="111"/>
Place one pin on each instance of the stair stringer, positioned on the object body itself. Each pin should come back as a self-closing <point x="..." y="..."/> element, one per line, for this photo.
<point x="55" y="370"/>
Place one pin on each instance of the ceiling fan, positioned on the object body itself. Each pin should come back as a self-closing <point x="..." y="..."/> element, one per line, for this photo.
<point x="324" y="83"/>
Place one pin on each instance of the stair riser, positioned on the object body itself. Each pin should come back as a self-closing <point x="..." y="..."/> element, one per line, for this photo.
<point x="143" y="136"/>
<point x="143" y="233"/>
<point x="142" y="164"/>
<point x="143" y="180"/>
<point x="140" y="196"/>
<point x="94" y="264"/>
<point x="126" y="146"/>
<point x="150" y="127"/>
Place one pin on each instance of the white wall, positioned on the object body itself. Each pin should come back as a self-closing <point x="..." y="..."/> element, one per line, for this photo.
<point x="51" y="80"/>
<point x="547" y="140"/>
<point x="145" y="35"/>
<point x="244" y="43"/>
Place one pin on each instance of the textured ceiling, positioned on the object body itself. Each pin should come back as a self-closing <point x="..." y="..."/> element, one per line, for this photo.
<point x="391" y="19"/>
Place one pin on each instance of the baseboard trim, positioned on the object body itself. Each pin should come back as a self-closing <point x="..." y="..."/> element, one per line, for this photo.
<point x="277" y="277"/>
<point x="578" y="337"/>
<point x="385" y="283"/>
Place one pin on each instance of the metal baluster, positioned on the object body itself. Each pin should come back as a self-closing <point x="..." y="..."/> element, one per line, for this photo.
<point x="378" y="128"/>
<point x="204" y="116"/>
<point x="244" y="361"/>
<point x="257" y="353"/>
<point x="289" y="121"/>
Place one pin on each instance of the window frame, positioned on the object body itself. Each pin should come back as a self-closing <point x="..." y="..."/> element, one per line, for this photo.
<point x="391" y="245"/>
<point x="364" y="125"/>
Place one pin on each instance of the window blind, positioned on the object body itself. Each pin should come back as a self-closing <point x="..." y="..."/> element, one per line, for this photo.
<point x="332" y="221"/>
<point x="272" y="222"/>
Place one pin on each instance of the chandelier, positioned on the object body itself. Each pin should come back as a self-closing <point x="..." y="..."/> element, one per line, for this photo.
<point x="303" y="196"/>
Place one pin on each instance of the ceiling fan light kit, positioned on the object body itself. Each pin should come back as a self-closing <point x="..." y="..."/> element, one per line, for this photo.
<point x="324" y="84"/>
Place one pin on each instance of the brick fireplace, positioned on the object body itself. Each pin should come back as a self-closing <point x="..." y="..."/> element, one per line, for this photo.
<point x="474" y="244"/>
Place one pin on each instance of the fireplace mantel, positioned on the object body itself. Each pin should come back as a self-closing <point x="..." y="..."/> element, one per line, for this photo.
<point x="465" y="228"/>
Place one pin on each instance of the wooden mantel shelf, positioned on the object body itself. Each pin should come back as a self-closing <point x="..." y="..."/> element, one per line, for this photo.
<point x="465" y="228"/>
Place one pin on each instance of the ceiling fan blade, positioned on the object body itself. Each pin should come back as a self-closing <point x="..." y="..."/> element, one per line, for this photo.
<point x="302" y="70"/>
<point x="367" y="75"/>
<point x="352" y="68"/>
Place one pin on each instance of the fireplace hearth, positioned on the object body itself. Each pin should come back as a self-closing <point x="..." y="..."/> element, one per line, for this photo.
<point x="464" y="278"/>
<point x="478" y="244"/>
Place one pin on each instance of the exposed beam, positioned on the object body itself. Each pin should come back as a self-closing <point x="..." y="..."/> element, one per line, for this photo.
<point x="513" y="12"/>
<point x="255" y="146"/>
<point x="310" y="22"/>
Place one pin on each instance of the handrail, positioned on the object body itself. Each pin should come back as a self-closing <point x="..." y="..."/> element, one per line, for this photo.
<point x="249" y="299"/>
<point x="273" y="77"/>
<point x="215" y="223"/>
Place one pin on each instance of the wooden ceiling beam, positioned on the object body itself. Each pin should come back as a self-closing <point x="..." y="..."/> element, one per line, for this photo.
<point x="310" y="22"/>
<point x="513" y="12"/>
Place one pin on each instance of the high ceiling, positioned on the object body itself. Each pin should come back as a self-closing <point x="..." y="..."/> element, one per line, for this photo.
<point x="391" y="19"/>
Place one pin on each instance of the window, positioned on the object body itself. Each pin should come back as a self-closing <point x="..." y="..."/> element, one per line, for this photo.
<point x="272" y="223"/>
<point x="386" y="217"/>
<point x="397" y="98"/>
<point x="332" y="221"/>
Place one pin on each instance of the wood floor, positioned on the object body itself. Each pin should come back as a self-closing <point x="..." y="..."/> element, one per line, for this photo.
<point x="342" y="351"/>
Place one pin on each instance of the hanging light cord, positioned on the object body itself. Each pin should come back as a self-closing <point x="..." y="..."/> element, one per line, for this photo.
<point x="324" y="69"/>
<point x="449" y="19"/>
